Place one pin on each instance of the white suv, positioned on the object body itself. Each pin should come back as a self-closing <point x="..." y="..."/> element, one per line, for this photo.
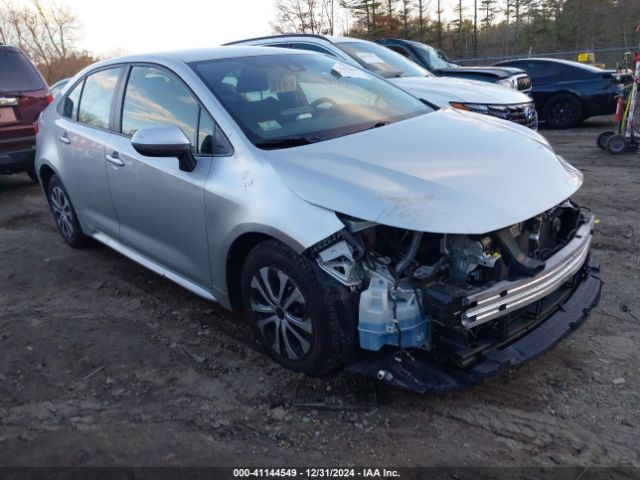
<point x="471" y="95"/>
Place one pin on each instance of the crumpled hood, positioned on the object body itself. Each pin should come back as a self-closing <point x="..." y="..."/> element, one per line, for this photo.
<point x="459" y="90"/>
<point x="443" y="172"/>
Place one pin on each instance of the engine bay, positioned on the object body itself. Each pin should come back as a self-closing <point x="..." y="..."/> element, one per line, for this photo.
<point x="417" y="289"/>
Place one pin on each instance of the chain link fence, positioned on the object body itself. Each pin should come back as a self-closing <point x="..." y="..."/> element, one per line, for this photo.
<point x="607" y="57"/>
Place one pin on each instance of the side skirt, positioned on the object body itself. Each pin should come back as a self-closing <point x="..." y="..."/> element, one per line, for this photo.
<point x="151" y="265"/>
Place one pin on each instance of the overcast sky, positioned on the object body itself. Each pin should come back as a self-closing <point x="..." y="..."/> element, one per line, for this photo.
<point x="139" y="26"/>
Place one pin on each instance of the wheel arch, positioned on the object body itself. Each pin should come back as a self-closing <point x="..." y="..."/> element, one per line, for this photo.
<point x="343" y="300"/>
<point x="565" y="91"/>
<point x="237" y="251"/>
<point x="45" y="172"/>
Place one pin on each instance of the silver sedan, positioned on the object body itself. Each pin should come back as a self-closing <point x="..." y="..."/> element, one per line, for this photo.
<point x="350" y="222"/>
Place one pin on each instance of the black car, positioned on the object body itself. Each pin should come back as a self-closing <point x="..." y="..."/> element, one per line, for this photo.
<point x="568" y="92"/>
<point x="24" y="94"/>
<point x="437" y="63"/>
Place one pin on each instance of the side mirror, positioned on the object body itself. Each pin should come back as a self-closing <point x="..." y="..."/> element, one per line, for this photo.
<point x="165" y="141"/>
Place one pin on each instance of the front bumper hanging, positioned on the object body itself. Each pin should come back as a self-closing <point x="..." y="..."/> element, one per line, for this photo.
<point x="418" y="371"/>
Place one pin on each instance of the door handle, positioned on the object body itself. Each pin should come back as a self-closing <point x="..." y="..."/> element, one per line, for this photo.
<point x="114" y="159"/>
<point x="64" y="139"/>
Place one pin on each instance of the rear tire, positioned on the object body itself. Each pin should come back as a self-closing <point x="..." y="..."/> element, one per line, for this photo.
<point x="562" y="111"/>
<point x="617" y="144"/>
<point x="603" y="137"/>
<point x="65" y="215"/>
<point x="292" y="309"/>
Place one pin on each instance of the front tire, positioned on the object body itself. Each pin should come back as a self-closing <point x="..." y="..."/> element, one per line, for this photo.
<point x="65" y="215"/>
<point x="291" y="309"/>
<point x="563" y="111"/>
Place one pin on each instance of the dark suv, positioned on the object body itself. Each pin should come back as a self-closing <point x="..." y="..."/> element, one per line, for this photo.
<point x="23" y="95"/>
<point x="437" y="63"/>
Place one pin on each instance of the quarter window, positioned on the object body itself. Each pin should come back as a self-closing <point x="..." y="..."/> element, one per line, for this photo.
<point x="211" y="140"/>
<point x="153" y="98"/>
<point x="72" y="101"/>
<point x="97" y="96"/>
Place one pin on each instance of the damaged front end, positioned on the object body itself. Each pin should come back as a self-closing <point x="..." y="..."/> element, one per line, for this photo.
<point x="438" y="311"/>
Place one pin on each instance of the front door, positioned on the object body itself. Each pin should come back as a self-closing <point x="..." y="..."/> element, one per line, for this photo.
<point x="161" y="208"/>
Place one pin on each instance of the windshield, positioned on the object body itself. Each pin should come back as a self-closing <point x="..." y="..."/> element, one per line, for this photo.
<point x="381" y="60"/>
<point x="430" y="57"/>
<point x="303" y="98"/>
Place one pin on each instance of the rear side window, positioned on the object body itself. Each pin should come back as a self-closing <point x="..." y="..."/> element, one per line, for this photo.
<point x="154" y="97"/>
<point x="18" y="73"/>
<point x="97" y="96"/>
<point x="543" y="71"/>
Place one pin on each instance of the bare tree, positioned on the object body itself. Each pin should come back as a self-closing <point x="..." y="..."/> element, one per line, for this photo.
<point x="517" y="9"/>
<point x="46" y="32"/>
<point x="459" y="9"/>
<point x="439" y="12"/>
<point x="291" y="17"/>
<point x="329" y="11"/>
<point x="422" y="18"/>
<point x="475" y="28"/>
<point x="491" y="27"/>
<point x="405" y="18"/>
<point x="507" y="16"/>
<point x="365" y="12"/>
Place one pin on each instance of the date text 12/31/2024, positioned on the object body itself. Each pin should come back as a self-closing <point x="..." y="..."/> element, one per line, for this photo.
<point x="315" y="473"/>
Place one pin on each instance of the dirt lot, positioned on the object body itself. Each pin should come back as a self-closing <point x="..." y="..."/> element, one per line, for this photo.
<point x="180" y="383"/>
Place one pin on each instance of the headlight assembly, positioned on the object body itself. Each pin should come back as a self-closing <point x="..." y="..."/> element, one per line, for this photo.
<point x="471" y="107"/>
<point x="507" y="83"/>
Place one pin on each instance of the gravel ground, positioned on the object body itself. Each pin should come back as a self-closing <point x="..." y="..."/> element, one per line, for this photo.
<point x="105" y="363"/>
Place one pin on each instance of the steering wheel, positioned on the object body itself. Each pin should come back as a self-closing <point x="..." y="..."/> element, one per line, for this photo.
<point x="321" y="101"/>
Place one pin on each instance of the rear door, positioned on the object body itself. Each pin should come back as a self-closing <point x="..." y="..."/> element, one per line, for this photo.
<point x="23" y="95"/>
<point x="82" y="130"/>
<point x="161" y="208"/>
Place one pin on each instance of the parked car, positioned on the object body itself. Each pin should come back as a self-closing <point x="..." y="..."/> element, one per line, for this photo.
<point x="469" y="95"/>
<point x="23" y="95"/>
<point x="566" y="92"/>
<point x="329" y="206"/>
<point x="56" y="88"/>
<point x="437" y="63"/>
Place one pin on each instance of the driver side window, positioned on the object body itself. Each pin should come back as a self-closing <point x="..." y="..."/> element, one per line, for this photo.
<point x="154" y="97"/>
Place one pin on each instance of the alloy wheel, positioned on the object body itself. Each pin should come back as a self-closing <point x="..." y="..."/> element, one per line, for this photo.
<point x="61" y="208"/>
<point x="284" y="320"/>
<point x="563" y="112"/>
